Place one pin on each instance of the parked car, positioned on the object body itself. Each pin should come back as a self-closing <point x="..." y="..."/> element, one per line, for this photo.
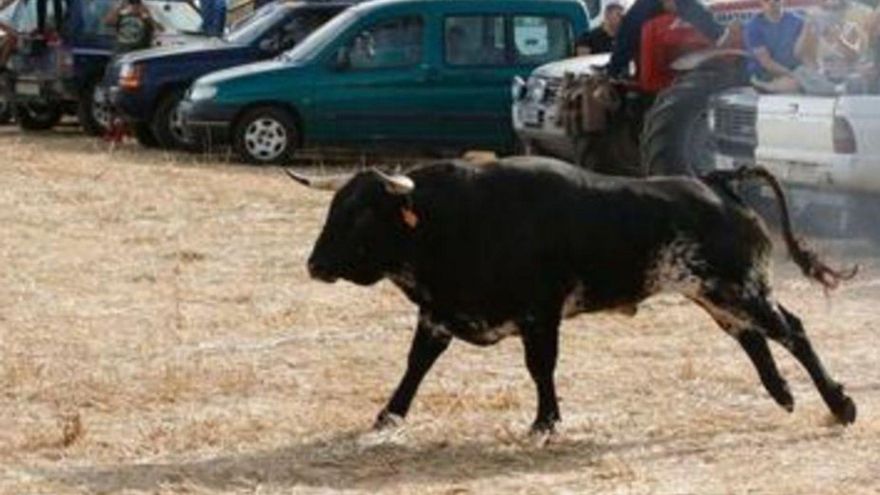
<point x="824" y="148"/>
<point x="53" y="73"/>
<point x="429" y="74"/>
<point x="146" y="86"/>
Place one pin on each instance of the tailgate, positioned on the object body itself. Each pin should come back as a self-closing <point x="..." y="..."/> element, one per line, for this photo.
<point x="795" y="127"/>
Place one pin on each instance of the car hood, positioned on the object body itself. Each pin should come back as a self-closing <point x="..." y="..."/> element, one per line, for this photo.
<point x="211" y="46"/>
<point x="576" y="65"/>
<point x="256" y="69"/>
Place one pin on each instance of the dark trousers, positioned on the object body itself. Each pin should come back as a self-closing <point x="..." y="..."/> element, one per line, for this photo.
<point x="630" y="34"/>
<point x="42" y="5"/>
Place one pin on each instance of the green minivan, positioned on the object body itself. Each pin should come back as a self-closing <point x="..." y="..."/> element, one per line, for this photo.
<point x="427" y="74"/>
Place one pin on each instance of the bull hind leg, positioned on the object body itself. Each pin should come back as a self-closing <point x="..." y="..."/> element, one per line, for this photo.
<point x="789" y="331"/>
<point x="755" y="346"/>
<point x="756" y="310"/>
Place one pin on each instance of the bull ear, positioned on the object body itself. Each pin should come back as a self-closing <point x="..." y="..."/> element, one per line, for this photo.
<point x="398" y="184"/>
<point x="328" y="183"/>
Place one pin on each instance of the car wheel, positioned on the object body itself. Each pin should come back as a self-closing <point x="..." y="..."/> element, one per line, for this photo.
<point x="266" y="136"/>
<point x="144" y="135"/>
<point x="37" y="115"/>
<point x="5" y="111"/>
<point x="167" y="123"/>
<point x="94" y="110"/>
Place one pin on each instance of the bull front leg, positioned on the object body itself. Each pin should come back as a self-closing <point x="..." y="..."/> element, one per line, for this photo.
<point x="427" y="346"/>
<point x="541" y="341"/>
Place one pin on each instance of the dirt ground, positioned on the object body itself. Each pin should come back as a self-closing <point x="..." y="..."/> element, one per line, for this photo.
<point x="159" y="334"/>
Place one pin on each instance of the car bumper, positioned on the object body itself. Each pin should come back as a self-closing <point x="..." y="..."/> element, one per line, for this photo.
<point x="538" y="126"/>
<point x="206" y="122"/>
<point x="831" y="171"/>
<point x="25" y="89"/>
<point x="127" y="105"/>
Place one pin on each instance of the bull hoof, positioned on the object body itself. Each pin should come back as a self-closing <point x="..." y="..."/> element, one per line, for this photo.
<point x="846" y="411"/>
<point x="783" y="397"/>
<point x="543" y="427"/>
<point x="387" y="420"/>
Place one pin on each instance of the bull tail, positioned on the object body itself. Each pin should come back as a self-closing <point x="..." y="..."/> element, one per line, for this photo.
<point x="805" y="258"/>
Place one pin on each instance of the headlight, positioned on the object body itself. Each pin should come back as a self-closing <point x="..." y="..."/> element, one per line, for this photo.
<point x="202" y="92"/>
<point x="518" y="88"/>
<point x="537" y="89"/>
<point x="710" y="119"/>
<point x="130" y="76"/>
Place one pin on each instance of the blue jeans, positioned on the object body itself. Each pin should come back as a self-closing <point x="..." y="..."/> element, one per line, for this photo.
<point x="630" y="34"/>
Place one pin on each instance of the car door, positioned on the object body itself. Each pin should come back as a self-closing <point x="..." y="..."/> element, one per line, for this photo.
<point x="482" y="54"/>
<point x="373" y="89"/>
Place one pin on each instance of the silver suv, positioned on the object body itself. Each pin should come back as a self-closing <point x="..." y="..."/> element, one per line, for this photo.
<point x="536" y="118"/>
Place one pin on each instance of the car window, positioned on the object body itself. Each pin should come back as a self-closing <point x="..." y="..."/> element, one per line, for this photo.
<point x="249" y="29"/>
<point x="94" y="12"/>
<point x="395" y="43"/>
<point x="175" y="16"/>
<point x="538" y="39"/>
<point x="297" y="27"/>
<point x="23" y="16"/>
<point x="474" y="40"/>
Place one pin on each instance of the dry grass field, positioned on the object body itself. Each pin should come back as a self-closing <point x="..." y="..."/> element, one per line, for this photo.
<point x="159" y="334"/>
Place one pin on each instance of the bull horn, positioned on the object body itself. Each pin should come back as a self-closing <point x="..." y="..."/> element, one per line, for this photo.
<point x="396" y="184"/>
<point x="328" y="183"/>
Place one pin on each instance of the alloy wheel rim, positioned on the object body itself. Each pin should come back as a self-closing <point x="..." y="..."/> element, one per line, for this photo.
<point x="265" y="139"/>
<point x="175" y="124"/>
<point x="100" y="109"/>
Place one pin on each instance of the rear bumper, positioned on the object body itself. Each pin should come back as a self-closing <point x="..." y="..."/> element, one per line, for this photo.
<point x="25" y="89"/>
<point x="851" y="173"/>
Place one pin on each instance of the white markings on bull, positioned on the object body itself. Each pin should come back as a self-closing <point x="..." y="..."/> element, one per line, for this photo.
<point x="475" y="331"/>
<point x="674" y="268"/>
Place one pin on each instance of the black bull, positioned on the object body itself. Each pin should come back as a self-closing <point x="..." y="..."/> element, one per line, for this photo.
<point x="512" y="247"/>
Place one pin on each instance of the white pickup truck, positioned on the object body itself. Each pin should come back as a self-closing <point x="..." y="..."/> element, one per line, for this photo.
<point x="827" y="149"/>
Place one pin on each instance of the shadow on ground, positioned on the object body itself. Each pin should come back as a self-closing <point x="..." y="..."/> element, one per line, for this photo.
<point x="343" y="462"/>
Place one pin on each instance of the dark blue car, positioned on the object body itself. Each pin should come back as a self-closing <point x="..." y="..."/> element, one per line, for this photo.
<point x="59" y="69"/>
<point x="146" y="86"/>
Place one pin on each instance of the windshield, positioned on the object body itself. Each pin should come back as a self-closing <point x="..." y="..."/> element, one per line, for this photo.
<point x="249" y="29"/>
<point x="23" y="15"/>
<point x="175" y="16"/>
<point x="323" y="36"/>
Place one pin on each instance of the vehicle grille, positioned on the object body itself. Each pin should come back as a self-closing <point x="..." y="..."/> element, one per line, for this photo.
<point x="736" y="124"/>
<point x="552" y="91"/>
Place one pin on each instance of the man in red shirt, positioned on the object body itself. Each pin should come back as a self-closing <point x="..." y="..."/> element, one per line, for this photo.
<point x="665" y="38"/>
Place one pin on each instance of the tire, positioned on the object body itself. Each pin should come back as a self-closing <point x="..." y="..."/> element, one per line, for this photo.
<point x="167" y="124"/>
<point x="93" y="110"/>
<point x="144" y="135"/>
<point x="5" y="111"/>
<point x="676" y="139"/>
<point x="266" y="136"/>
<point x="37" y="116"/>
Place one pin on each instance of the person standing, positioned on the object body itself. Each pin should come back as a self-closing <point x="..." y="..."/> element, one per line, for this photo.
<point x="214" y="17"/>
<point x="601" y="39"/>
<point x="629" y="34"/>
